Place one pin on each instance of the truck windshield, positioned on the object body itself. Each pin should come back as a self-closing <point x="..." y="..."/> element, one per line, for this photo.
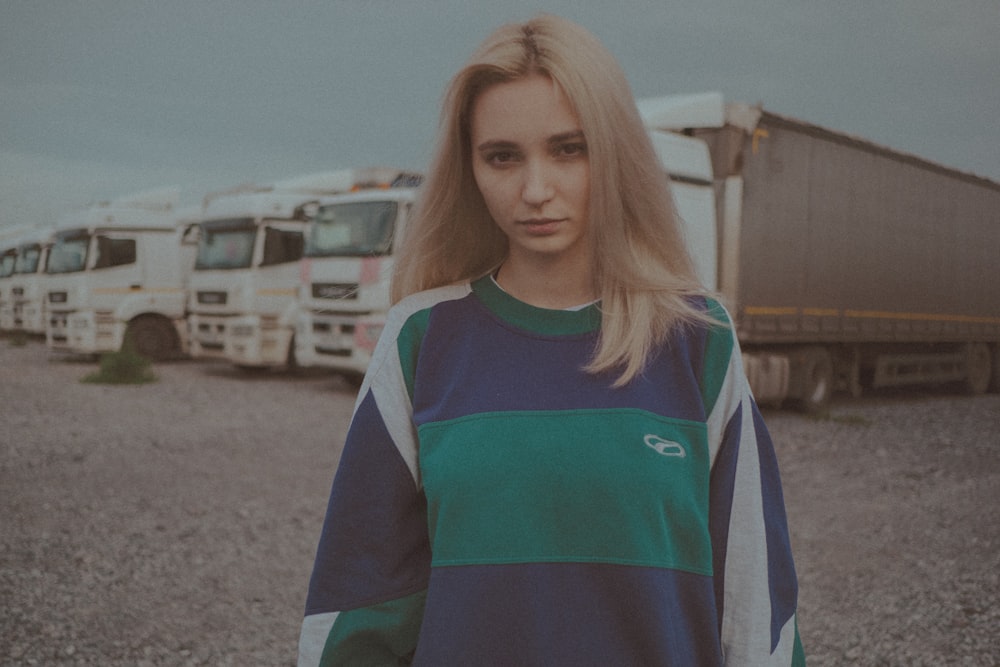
<point x="352" y="229"/>
<point x="7" y="260"/>
<point x="27" y="258"/>
<point x="281" y="245"/>
<point x="69" y="252"/>
<point x="226" y="244"/>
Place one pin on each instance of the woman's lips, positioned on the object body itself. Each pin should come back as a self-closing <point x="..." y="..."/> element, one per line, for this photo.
<point x="541" y="226"/>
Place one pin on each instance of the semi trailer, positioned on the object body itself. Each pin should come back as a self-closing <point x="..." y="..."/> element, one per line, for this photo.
<point x="845" y="264"/>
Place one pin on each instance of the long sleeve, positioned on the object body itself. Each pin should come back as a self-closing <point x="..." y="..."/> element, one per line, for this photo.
<point x="366" y="592"/>
<point x="366" y="595"/>
<point x="755" y="580"/>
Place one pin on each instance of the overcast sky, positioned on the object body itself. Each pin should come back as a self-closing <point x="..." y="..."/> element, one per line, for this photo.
<point x="103" y="98"/>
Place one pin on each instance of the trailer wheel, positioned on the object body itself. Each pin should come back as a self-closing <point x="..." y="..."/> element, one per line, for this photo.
<point x="152" y="337"/>
<point x="978" y="368"/>
<point x="817" y="380"/>
<point x="847" y="372"/>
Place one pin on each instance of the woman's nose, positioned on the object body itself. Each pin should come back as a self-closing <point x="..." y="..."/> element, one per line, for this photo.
<point x="537" y="188"/>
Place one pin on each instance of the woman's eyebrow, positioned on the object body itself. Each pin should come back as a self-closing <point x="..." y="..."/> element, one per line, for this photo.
<point x="504" y="144"/>
<point x="562" y="137"/>
<point x="494" y="144"/>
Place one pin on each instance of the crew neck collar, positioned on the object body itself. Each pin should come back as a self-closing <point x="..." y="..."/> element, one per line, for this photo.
<point x="546" y="321"/>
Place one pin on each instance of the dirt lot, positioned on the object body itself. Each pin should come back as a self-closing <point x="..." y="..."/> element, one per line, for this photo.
<point x="175" y="523"/>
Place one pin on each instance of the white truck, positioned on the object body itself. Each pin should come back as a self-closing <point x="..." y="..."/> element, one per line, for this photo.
<point x="8" y="257"/>
<point x="344" y="290"/>
<point x="117" y="271"/>
<point x="23" y="304"/>
<point x="242" y="298"/>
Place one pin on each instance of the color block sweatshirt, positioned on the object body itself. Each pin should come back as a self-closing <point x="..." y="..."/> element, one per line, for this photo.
<point x="495" y="504"/>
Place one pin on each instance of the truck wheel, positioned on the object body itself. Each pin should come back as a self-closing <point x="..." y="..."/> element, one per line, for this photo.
<point x="817" y="380"/>
<point x="291" y="362"/>
<point x="978" y="368"/>
<point x="152" y="337"/>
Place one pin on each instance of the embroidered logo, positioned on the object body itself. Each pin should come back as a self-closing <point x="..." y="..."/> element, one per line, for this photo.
<point x="664" y="447"/>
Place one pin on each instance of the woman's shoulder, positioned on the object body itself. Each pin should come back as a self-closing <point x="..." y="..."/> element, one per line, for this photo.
<point x="709" y="312"/>
<point x="420" y="302"/>
<point x="429" y="298"/>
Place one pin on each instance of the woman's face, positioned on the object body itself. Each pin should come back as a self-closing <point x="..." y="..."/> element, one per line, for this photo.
<point x="529" y="160"/>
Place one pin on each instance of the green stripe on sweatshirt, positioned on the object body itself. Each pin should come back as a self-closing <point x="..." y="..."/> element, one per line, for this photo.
<point x="381" y="634"/>
<point x="618" y="486"/>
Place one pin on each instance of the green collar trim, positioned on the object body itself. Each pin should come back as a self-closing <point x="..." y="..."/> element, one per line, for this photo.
<point x="544" y="321"/>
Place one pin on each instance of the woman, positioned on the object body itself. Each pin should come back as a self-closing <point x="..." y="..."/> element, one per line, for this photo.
<point x="554" y="457"/>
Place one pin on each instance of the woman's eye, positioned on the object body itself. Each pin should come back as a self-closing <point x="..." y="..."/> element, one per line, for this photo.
<point x="572" y="150"/>
<point x="501" y="157"/>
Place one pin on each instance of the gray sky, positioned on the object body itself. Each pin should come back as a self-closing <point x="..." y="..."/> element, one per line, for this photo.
<point x="104" y="98"/>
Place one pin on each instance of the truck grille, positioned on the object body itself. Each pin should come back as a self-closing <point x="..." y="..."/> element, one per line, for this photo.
<point x="212" y="298"/>
<point x="57" y="297"/>
<point x="335" y="290"/>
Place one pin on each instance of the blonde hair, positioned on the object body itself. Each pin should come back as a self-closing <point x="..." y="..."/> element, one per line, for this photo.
<point x="642" y="270"/>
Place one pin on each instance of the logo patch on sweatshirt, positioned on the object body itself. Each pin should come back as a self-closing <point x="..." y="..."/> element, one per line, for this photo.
<point x="664" y="447"/>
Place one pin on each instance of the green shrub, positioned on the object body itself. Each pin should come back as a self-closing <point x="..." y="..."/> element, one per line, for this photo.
<point x="18" y="338"/>
<point x="123" y="367"/>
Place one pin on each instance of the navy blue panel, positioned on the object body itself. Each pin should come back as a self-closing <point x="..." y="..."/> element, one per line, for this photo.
<point x="782" y="581"/>
<point x="374" y="543"/>
<point x="720" y="503"/>
<point x="568" y="614"/>
<point x="471" y="361"/>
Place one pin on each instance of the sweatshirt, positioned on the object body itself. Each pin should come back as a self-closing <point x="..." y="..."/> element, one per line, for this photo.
<point x="496" y="504"/>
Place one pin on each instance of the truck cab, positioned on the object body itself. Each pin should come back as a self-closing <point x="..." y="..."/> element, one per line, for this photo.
<point x="117" y="272"/>
<point x="9" y="240"/>
<point x="242" y="299"/>
<point x="344" y="291"/>
<point x="24" y="310"/>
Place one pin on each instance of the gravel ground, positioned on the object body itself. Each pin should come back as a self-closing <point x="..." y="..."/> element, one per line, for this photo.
<point x="175" y="523"/>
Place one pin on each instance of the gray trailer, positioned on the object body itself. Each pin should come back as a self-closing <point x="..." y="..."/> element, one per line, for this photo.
<point x="847" y="264"/>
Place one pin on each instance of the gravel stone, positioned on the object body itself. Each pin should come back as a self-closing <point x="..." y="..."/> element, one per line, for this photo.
<point x="175" y="523"/>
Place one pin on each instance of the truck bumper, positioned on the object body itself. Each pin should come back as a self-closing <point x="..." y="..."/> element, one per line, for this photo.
<point x="57" y="330"/>
<point x="90" y="332"/>
<point x="340" y="342"/>
<point x="254" y="341"/>
<point x="206" y="336"/>
<point x="28" y="316"/>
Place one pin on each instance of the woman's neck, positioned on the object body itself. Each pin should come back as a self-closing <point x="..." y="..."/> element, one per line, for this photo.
<point x="545" y="284"/>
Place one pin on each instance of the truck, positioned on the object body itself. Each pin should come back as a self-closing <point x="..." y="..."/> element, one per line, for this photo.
<point x="344" y="286"/>
<point x="9" y="239"/>
<point x="242" y="299"/>
<point x="23" y="305"/>
<point x="116" y="273"/>
<point x="845" y="264"/>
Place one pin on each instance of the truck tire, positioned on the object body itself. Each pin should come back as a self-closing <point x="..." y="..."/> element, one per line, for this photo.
<point x="291" y="361"/>
<point x="847" y="371"/>
<point x="153" y="338"/>
<point x="816" y="375"/>
<point x="978" y="368"/>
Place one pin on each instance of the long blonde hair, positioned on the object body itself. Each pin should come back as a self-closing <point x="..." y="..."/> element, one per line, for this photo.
<point x="642" y="270"/>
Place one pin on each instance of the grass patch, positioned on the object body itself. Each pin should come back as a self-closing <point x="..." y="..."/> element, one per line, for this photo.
<point x="123" y="367"/>
<point x="849" y="419"/>
<point x="17" y="338"/>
